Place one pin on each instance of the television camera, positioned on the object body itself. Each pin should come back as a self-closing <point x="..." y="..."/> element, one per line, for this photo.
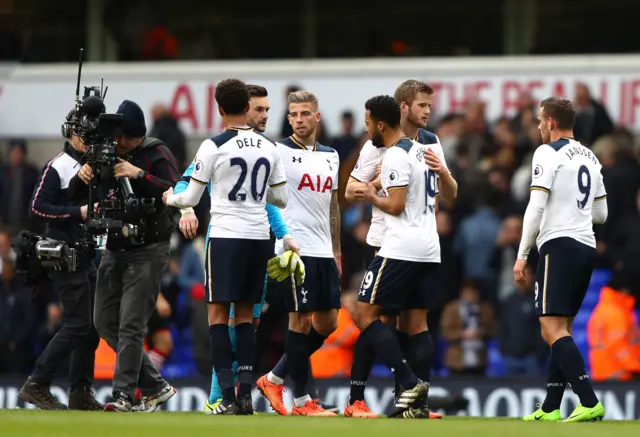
<point x="99" y="130"/>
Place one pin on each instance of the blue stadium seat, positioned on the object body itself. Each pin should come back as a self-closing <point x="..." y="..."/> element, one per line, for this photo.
<point x="495" y="363"/>
<point x="599" y="278"/>
<point x="381" y="371"/>
<point x="582" y="318"/>
<point x="591" y="298"/>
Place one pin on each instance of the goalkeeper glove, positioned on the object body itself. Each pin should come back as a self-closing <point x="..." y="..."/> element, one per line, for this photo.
<point x="285" y="265"/>
<point x="297" y="269"/>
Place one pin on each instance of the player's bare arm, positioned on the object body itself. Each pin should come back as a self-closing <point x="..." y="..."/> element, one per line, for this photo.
<point x="188" y="224"/>
<point x="352" y="185"/>
<point x="335" y="229"/>
<point x="394" y="203"/>
<point x="366" y="170"/>
<point x="447" y="185"/>
<point x="377" y="182"/>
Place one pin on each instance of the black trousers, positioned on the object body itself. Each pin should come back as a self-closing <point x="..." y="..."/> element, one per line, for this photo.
<point x="128" y="287"/>
<point x="77" y="336"/>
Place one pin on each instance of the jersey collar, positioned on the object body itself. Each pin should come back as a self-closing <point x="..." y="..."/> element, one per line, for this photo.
<point x="400" y="139"/>
<point x="302" y="146"/>
<point x="238" y="128"/>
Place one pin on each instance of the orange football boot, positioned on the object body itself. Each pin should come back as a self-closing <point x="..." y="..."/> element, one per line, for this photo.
<point x="273" y="393"/>
<point x="359" y="409"/>
<point x="310" y="408"/>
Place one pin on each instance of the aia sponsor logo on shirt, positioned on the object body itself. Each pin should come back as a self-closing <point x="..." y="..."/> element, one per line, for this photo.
<point x="316" y="184"/>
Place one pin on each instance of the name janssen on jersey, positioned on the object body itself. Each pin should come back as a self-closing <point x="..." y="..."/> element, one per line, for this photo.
<point x="249" y="142"/>
<point x="580" y="151"/>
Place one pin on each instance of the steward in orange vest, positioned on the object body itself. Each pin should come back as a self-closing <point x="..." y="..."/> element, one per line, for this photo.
<point x="614" y="336"/>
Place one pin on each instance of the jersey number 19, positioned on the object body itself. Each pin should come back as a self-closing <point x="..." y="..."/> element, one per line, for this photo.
<point x="430" y="191"/>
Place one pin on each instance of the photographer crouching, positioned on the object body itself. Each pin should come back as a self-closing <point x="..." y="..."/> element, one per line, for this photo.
<point x="77" y="336"/>
<point x="132" y="265"/>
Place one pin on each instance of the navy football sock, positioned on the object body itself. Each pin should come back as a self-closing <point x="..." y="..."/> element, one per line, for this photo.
<point x="281" y="369"/>
<point x="420" y="357"/>
<point x="246" y="354"/>
<point x="298" y="352"/>
<point x="386" y="347"/>
<point x="316" y="340"/>
<point x="405" y="342"/>
<point x="572" y="366"/>
<point x="222" y="358"/>
<point x="363" y="356"/>
<point x="555" y="385"/>
<point x="311" y="384"/>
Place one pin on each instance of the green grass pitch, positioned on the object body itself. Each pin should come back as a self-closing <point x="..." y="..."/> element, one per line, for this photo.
<point x="30" y="423"/>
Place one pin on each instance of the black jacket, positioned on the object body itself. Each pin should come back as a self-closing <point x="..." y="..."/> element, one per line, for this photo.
<point x="156" y="160"/>
<point x="51" y="201"/>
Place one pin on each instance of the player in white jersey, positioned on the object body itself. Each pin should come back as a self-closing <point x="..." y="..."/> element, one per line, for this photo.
<point x="402" y="275"/>
<point x="415" y="99"/>
<point x="567" y="197"/>
<point x="246" y="171"/>
<point x="313" y="218"/>
<point x="257" y="117"/>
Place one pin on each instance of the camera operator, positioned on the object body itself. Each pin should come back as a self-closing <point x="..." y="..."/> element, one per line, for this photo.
<point x="77" y="336"/>
<point x="131" y="269"/>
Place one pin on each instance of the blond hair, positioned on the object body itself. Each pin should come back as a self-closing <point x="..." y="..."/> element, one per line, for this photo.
<point x="409" y="89"/>
<point x="303" y="97"/>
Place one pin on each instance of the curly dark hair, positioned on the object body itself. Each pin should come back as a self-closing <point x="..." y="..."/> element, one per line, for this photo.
<point x="232" y="95"/>
<point x="384" y="109"/>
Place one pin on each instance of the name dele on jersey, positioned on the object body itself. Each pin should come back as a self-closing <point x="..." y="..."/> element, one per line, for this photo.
<point x="241" y="142"/>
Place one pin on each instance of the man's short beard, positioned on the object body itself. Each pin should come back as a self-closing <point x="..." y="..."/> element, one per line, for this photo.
<point x="310" y="134"/>
<point x="378" y="141"/>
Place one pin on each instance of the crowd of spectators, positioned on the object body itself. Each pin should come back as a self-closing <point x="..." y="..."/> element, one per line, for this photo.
<point x="479" y="236"/>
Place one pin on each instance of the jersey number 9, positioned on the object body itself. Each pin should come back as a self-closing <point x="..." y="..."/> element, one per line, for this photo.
<point x="234" y="194"/>
<point x="584" y="185"/>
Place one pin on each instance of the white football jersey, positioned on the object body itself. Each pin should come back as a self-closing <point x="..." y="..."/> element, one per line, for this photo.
<point x="412" y="235"/>
<point x="312" y="177"/>
<point x="241" y="165"/>
<point x="365" y="171"/>
<point x="571" y="174"/>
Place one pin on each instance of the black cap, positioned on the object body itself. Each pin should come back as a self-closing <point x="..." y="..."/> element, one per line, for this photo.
<point x="133" y="124"/>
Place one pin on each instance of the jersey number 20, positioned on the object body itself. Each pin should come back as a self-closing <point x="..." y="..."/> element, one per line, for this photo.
<point x="234" y="194"/>
<point x="430" y="191"/>
<point x="584" y="185"/>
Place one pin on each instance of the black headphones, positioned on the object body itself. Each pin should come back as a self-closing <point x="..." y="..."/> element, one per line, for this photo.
<point x="67" y="127"/>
